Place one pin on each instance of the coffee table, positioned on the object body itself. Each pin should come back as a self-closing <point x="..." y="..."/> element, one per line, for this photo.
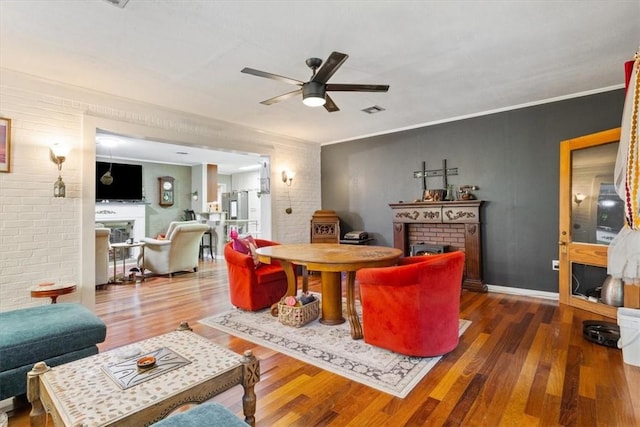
<point x="81" y="393"/>
<point x="331" y="259"/>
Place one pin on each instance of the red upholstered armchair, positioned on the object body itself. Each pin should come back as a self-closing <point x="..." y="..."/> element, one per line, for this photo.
<point x="254" y="288"/>
<point x="413" y="308"/>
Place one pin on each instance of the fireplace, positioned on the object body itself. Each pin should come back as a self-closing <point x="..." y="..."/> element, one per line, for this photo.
<point x="453" y="224"/>
<point x="125" y="221"/>
<point x="121" y="231"/>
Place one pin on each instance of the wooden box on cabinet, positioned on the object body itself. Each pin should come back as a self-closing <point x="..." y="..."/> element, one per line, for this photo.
<point x="325" y="227"/>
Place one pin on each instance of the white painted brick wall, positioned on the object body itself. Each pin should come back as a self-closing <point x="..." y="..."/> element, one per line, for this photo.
<point x="38" y="233"/>
<point x="40" y="236"/>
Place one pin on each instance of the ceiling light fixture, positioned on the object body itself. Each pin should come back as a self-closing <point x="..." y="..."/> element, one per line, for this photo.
<point x="313" y="94"/>
<point x="107" y="140"/>
<point x="250" y="167"/>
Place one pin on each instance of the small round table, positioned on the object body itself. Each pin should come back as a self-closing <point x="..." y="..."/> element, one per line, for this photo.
<point x="122" y="246"/>
<point x="52" y="290"/>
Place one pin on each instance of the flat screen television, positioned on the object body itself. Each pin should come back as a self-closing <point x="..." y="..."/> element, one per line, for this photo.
<point x="126" y="184"/>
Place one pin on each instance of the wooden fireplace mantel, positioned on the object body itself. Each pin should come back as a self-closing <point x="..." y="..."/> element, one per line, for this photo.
<point x="465" y="212"/>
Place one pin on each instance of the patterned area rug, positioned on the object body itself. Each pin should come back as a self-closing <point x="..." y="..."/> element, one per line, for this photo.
<point x="330" y="348"/>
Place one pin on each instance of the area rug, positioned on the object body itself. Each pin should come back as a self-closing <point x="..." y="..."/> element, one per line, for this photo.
<point x="330" y="348"/>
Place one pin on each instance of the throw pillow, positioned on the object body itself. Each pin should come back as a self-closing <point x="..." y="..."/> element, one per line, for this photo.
<point x="252" y="248"/>
<point x="237" y="244"/>
<point x="246" y="244"/>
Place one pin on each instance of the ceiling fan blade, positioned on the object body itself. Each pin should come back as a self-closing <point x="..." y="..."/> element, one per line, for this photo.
<point x="281" y="97"/>
<point x="330" y="66"/>
<point x="329" y="105"/>
<point x="357" y="88"/>
<point x="271" y="76"/>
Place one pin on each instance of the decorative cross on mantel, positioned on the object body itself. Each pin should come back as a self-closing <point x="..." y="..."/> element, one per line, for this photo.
<point x="444" y="173"/>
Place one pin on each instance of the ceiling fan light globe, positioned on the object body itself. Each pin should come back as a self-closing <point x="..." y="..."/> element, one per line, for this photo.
<point x="314" y="101"/>
<point x="313" y="94"/>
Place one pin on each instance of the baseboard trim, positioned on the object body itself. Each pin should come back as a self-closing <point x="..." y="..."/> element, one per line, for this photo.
<point x="524" y="292"/>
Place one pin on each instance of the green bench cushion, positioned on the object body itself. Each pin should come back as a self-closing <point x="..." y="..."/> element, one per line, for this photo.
<point x="207" y="414"/>
<point x="32" y="334"/>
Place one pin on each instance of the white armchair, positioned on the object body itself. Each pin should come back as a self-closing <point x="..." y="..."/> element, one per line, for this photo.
<point x="178" y="251"/>
<point x="102" y="255"/>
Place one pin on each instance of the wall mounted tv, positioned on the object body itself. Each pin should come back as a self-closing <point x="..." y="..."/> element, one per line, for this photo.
<point x="126" y="185"/>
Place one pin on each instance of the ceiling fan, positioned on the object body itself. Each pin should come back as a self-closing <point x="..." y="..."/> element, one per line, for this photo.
<point x="314" y="92"/>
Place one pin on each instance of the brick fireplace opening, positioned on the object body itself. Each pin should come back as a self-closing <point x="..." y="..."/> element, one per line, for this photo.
<point x="451" y="236"/>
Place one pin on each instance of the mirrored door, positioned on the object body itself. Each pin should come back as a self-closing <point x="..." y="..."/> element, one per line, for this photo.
<point x="591" y="214"/>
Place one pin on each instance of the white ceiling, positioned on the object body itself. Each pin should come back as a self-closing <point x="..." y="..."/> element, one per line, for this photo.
<point x="110" y="147"/>
<point x="443" y="60"/>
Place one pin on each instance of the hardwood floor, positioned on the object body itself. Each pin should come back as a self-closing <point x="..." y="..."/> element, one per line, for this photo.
<point x="523" y="361"/>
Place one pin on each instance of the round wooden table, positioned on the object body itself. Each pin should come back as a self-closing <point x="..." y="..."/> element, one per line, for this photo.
<point x="331" y="259"/>
<point x="52" y="290"/>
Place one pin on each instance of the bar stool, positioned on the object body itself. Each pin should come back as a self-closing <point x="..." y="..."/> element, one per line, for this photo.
<point x="209" y="241"/>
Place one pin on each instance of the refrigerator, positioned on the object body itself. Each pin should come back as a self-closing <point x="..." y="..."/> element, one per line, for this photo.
<point x="235" y="203"/>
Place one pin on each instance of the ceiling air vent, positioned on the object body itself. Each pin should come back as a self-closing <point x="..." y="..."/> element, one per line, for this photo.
<point x="373" y="110"/>
<point x="120" y="3"/>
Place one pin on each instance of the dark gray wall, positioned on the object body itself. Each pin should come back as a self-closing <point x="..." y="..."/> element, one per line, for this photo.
<point x="512" y="156"/>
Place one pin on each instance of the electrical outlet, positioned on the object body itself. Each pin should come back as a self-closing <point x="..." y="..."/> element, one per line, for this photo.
<point x="555" y="265"/>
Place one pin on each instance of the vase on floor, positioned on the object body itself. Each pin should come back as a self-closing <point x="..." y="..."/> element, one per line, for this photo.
<point x="612" y="292"/>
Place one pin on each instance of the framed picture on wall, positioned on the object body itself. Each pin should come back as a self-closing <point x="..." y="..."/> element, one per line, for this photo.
<point x="5" y="145"/>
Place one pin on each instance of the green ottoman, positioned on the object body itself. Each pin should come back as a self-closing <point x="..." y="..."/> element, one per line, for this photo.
<point x="54" y="333"/>
<point x="206" y="414"/>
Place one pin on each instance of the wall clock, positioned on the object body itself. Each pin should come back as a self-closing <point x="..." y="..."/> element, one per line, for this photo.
<point x="166" y="187"/>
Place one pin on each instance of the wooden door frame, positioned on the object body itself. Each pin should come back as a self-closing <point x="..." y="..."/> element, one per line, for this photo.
<point x="585" y="253"/>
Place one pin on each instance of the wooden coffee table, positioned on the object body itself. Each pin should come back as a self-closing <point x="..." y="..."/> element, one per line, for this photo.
<point x="81" y="393"/>
<point x="331" y="259"/>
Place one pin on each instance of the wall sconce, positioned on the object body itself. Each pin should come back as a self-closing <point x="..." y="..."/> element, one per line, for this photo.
<point x="194" y="196"/>
<point x="287" y="177"/>
<point x="58" y="153"/>
<point x="579" y="198"/>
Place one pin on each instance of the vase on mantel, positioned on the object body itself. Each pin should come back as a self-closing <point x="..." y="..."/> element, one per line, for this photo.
<point x="451" y="195"/>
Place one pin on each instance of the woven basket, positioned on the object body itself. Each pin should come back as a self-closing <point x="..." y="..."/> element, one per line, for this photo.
<point x="298" y="316"/>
